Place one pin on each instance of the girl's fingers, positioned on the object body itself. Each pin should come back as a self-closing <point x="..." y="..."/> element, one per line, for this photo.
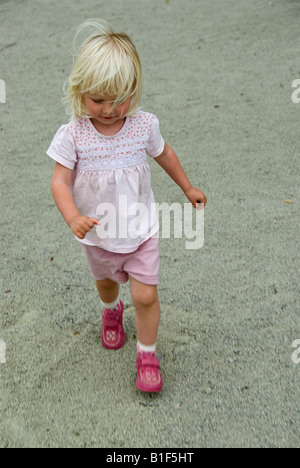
<point x="95" y="221"/>
<point x="91" y="222"/>
<point x="85" y="226"/>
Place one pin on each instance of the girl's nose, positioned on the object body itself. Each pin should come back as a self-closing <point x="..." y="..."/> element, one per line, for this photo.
<point x="106" y="109"/>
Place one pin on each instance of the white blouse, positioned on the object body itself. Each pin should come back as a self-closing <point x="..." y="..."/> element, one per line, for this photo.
<point x="111" y="178"/>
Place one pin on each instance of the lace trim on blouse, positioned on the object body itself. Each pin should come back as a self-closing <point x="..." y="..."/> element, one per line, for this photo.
<point x="106" y="156"/>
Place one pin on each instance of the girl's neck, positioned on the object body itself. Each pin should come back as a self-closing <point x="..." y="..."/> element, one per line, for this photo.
<point x="109" y="129"/>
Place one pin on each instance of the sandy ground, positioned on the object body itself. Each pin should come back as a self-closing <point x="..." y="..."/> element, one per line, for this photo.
<point x="218" y="74"/>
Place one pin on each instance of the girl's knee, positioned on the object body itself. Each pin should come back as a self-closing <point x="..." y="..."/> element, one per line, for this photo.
<point x="144" y="296"/>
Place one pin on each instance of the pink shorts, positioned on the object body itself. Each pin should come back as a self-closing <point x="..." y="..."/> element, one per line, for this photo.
<point x="142" y="265"/>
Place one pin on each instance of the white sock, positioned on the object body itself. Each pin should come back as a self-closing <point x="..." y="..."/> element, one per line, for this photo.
<point x="111" y="305"/>
<point x="146" y="349"/>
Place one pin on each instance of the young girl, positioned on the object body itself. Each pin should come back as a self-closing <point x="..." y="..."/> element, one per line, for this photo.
<point x="101" y="161"/>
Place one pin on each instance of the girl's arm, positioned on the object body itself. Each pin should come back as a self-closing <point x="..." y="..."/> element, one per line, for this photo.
<point x="61" y="183"/>
<point x="171" y="164"/>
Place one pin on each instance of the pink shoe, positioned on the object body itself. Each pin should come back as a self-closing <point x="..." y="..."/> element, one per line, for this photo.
<point x="113" y="335"/>
<point x="149" y="378"/>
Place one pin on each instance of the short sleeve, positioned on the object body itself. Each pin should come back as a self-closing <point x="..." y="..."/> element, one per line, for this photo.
<point x="62" y="148"/>
<point x="156" y="142"/>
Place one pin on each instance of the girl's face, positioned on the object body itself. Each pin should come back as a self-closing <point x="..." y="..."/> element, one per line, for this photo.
<point x="102" y="112"/>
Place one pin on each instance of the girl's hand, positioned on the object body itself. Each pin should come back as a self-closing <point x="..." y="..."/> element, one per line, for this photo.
<point x="81" y="225"/>
<point x="195" y="196"/>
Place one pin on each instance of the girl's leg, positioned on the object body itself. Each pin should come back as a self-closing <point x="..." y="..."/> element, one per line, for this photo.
<point x="147" y="317"/>
<point x="108" y="290"/>
<point x="113" y="334"/>
<point x="147" y="311"/>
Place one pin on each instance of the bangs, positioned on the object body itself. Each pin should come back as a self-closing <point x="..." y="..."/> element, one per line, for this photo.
<point x="117" y="81"/>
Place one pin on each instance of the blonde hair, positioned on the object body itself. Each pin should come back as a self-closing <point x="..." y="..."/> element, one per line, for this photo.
<point x="106" y="63"/>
